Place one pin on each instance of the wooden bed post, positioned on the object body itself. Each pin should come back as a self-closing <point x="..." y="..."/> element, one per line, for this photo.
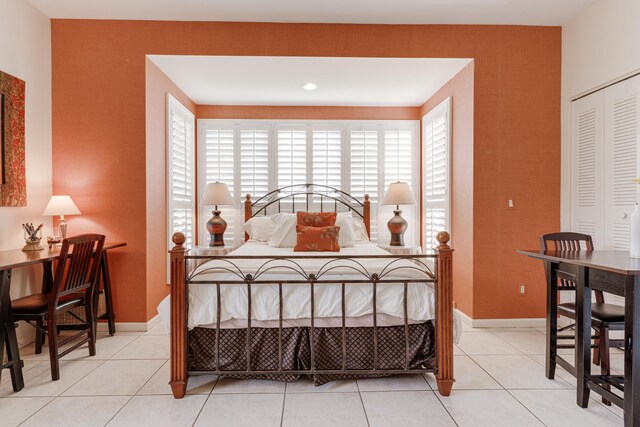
<point x="366" y="214"/>
<point x="444" y="321"/>
<point x="179" y="375"/>
<point x="248" y="213"/>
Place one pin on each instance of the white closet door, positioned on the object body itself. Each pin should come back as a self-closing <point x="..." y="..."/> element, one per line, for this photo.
<point x="621" y="118"/>
<point x="587" y="167"/>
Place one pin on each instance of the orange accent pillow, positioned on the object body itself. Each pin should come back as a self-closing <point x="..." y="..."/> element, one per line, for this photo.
<point x="316" y="219"/>
<point x="317" y="239"/>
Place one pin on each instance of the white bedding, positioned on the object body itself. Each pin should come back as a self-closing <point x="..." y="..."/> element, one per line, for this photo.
<point x="297" y="298"/>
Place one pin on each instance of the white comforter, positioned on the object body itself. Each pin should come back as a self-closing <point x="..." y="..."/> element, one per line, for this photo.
<point x="297" y="297"/>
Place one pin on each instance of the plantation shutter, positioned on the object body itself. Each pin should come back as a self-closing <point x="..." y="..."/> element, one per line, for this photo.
<point x="180" y="174"/>
<point x="436" y="164"/>
<point x="364" y="170"/>
<point x="326" y="159"/>
<point x="292" y="157"/>
<point x="218" y="161"/>
<point x="254" y="162"/>
<point x="398" y="166"/>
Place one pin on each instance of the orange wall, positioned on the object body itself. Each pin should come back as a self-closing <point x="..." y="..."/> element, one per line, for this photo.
<point x="305" y="113"/>
<point x="158" y="85"/>
<point x="460" y="89"/>
<point x="99" y="130"/>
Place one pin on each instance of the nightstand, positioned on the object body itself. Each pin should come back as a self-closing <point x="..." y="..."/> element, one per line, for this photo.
<point x="207" y="250"/>
<point x="402" y="250"/>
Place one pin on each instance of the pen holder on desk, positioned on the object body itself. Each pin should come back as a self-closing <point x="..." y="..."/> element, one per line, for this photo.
<point x="32" y="242"/>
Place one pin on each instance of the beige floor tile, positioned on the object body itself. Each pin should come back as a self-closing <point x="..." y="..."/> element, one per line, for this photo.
<point x="157" y="330"/>
<point x="159" y="411"/>
<point x="240" y="410"/>
<point x="14" y="410"/>
<point x="323" y="409"/>
<point x="528" y="342"/>
<point x="38" y="380"/>
<point x="159" y="383"/>
<point x="484" y="343"/>
<point x="116" y="378"/>
<point x="468" y="375"/>
<point x="78" y="411"/>
<point x="514" y="372"/>
<point x="558" y="408"/>
<point x="146" y="347"/>
<point x="394" y="383"/>
<point x="232" y="385"/>
<point x="405" y="408"/>
<point x="106" y="348"/>
<point x="305" y="385"/>
<point x="28" y="365"/>
<point x="457" y="351"/>
<point x="491" y="408"/>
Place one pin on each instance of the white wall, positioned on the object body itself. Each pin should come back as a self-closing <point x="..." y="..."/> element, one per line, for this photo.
<point x="25" y="52"/>
<point x="600" y="45"/>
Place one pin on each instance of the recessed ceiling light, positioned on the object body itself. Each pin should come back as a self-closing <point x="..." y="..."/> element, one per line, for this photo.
<point x="310" y="86"/>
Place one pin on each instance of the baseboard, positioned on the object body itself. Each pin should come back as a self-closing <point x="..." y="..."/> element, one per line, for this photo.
<point x="131" y="326"/>
<point x="503" y="323"/>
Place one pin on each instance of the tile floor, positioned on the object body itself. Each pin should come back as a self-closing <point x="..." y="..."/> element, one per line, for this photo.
<point x="499" y="382"/>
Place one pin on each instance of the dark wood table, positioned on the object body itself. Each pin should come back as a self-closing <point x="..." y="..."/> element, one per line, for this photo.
<point x="613" y="272"/>
<point x="17" y="258"/>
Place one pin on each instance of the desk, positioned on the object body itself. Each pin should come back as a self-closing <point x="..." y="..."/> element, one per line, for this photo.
<point x="17" y="258"/>
<point x="613" y="272"/>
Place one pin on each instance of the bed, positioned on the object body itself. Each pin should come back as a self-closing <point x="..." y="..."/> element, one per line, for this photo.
<point x="269" y="312"/>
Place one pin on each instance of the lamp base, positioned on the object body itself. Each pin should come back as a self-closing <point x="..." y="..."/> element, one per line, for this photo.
<point x="397" y="226"/>
<point x="216" y="226"/>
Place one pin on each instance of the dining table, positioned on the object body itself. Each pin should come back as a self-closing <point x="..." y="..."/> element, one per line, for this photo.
<point x="614" y="272"/>
<point x="12" y="259"/>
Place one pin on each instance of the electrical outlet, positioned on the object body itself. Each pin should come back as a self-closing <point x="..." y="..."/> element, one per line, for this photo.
<point x="522" y="289"/>
<point x="510" y="204"/>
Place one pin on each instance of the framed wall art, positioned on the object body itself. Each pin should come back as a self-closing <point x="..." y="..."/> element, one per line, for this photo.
<point x="13" y="180"/>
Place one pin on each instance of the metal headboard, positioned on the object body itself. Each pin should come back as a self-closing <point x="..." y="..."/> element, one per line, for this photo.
<point x="300" y="196"/>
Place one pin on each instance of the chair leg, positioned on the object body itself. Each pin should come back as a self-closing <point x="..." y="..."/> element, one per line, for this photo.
<point x="596" y="349"/>
<point x="53" y="348"/>
<point x="605" y="364"/>
<point x="39" y="336"/>
<point x="91" y="328"/>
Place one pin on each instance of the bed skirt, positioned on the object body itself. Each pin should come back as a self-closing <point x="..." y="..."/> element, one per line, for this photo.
<point x="296" y="350"/>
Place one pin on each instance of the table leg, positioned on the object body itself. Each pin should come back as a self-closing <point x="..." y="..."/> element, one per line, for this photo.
<point x="8" y="333"/>
<point x="583" y="336"/>
<point x="552" y="319"/>
<point x="631" y="349"/>
<point x="108" y="297"/>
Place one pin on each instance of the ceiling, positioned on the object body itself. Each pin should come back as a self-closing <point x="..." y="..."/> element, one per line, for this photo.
<point x="265" y="80"/>
<point x="516" y="12"/>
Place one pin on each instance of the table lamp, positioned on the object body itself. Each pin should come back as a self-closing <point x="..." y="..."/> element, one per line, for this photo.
<point x="61" y="205"/>
<point x="216" y="194"/>
<point x="398" y="194"/>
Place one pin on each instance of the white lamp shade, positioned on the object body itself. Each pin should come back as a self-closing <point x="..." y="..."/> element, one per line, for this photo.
<point x="217" y="194"/>
<point x="61" y="205"/>
<point x="398" y="193"/>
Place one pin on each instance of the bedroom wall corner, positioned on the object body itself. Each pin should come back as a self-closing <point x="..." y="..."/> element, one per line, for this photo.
<point x="157" y="86"/>
<point x="460" y="89"/>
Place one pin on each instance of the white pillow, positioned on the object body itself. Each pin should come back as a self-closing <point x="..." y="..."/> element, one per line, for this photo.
<point x="284" y="233"/>
<point x="360" y="230"/>
<point x="346" y="236"/>
<point x="260" y="228"/>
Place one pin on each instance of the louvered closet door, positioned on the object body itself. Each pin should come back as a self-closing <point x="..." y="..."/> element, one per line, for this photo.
<point x="621" y="119"/>
<point x="587" y="169"/>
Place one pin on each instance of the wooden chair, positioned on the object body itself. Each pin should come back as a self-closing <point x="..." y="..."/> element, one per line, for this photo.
<point x="604" y="317"/>
<point x="74" y="285"/>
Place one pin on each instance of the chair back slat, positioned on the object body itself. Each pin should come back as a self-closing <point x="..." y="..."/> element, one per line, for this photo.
<point x="77" y="268"/>
<point x="570" y="242"/>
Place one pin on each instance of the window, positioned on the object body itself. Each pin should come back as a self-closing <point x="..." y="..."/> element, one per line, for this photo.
<point x="399" y="165"/>
<point x="357" y="157"/>
<point x="180" y="171"/>
<point x="436" y="165"/>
